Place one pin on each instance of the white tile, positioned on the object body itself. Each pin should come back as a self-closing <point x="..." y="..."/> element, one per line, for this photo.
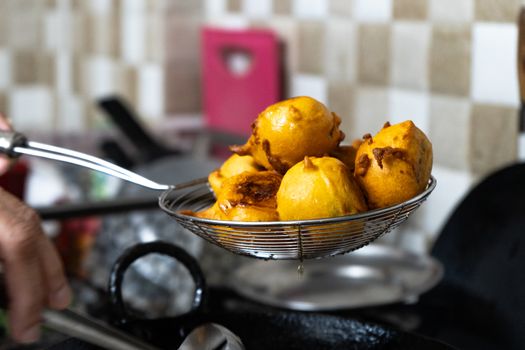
<point x="230" y="21"/>
<point x="309" y="85"/>
<point x="340" y="52"/>
<point x="521" y="147"/>
<point x="312" y="9"/>
<point x="372" y="10"/>
<point x="63" y="72"/>
<point x="132" y="37"/>
<point x="30" y="108"/>
<point x="494" y="72"/>
<point x="371" y="111"/>
<point x="451" y="10"/>
<point x="410" y="47"/>
<point x="103" y="7"/>
<point x="409" y="104"/>
<point x="71" y="116"/>
<point x="45" y="184"/>
<point x="151" y="91"/>
<point x="5" y="69"/>
<point x="213" y="8"/>
<point x="258" y="8"/>
<point x="100" y="76"/>
<point x="51" y="30"/>
<point x="452" y="186"/>
<point x="133" y="6"/>
<point x="412" y="239"/>
<point x="450" y="128"/>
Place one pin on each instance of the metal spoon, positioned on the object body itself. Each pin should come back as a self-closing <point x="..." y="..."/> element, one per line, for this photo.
<point x="89" y="330"/>
<point x="211" y="336"/>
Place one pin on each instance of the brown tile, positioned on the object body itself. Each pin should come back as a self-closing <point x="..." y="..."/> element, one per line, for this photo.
<point x="46" y="68"/>
<point x="282" y="7"/>
<point x="25" y="29"/>
<point x="373" y="53"/>
<point x="450" y="63"/>
<point x="3" y="103"/>
<point x="127" y="82"/>
<point x="450" y="131"/>
<point x="311" y="47"/>
<point x="183" y="86"/>
<point x="183" y="37"/>
<point x="494" y="137"/>
<point x="341" y="101"/>
<point x="500" y="11"/>
<point x="234" y="5"/>
<point x="3" y="25"/>
<point x="410" y="9"/>
<point x="78" y="32"/>
<point x="186" y="8"/>
<point x="77" y="75"/>
<point x="155" y="39"/>
<point x="340" y="60"/>
<point x="101" y="34"/>
<point x="288" y="33"/>
<point x="25" y="67"/>
<point x="340" y="8"/>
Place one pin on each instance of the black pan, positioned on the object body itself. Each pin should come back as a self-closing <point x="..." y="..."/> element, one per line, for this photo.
<point x="263" y="328"/>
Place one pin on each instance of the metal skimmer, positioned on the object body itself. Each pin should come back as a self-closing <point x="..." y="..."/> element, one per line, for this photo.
<point x="303" y="239"/>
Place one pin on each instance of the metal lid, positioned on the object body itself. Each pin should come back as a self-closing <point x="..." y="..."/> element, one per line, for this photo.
<point x="373" y="275"/>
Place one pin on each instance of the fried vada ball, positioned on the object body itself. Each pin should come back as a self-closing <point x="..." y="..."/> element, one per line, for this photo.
<point x="250" y="196"/>
<point x="234" y="165"/>
<point x="213" y="212"/>
<point x="285" y="132"/>
<point x="318" y="188"/>
<point x="394" y="165"/>
<point x="347" y="153"/>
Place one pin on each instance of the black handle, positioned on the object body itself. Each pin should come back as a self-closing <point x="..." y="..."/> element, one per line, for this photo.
<point x="136" y="252"/>
<point x="126" y="120"/>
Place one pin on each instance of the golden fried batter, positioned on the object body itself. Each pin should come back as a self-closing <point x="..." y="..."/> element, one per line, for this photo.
<point x="284" y="133"/>
<point x="347" y="153"/>
<point x="318" y="188"/>
<point x="234" y="165"/>
<point x="249" y="196"/>
<point x="394" y="165"/>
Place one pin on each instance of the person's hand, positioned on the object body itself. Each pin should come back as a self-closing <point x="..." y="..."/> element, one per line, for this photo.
<point x="4" y="161"/>
<point x="34" y="275"/>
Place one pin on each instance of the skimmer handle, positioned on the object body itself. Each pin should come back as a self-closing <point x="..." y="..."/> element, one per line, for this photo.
<point x="13" y="144"/>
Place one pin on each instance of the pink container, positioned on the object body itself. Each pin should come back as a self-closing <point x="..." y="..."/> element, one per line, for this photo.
<point x="232" y="99"/>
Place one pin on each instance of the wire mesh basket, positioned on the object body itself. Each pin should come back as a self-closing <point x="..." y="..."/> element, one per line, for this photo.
<point x="304" y="239"/>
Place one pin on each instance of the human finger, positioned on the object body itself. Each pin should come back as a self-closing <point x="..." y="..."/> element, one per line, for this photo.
<point x="4" y="161"/>
<point x="59" y="293"/>
<point x="20" y="236"/>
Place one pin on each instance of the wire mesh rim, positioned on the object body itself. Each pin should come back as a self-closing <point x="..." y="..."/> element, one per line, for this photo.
<point x="310" y="222"/>
<point x="285" y="240"/>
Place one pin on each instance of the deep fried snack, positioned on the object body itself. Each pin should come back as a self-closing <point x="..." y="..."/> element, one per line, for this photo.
<point x="234" y="165"/>
<point x="394" y="165"/>
<point x="284" y="133"/>
<point x="347" y="153"/>
<point x="318" y="188"/>
<point x="249" y="196"/>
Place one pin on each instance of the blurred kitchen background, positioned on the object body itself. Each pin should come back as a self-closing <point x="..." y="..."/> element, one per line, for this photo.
<point x="449" y="65"/>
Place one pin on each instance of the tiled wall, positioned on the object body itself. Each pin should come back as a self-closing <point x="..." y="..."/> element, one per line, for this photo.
<point x="58" y="56"/>
<point x="449" y="65"/>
